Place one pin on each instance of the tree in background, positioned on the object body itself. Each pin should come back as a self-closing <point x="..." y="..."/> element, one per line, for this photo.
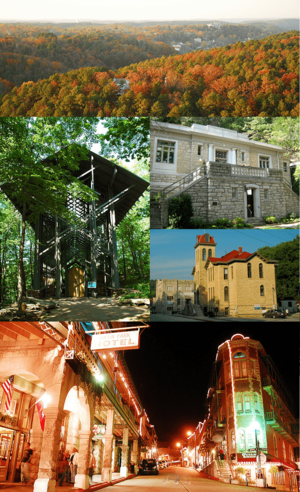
<point x="287" y="271"/>
<point x="36" y="185"/>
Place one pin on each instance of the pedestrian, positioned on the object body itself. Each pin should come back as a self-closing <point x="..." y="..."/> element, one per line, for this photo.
<point x="92" y="465"/>
<point x="67" y="470"/>
<point x="25" y="469"/>
<point x="73" y="464"/>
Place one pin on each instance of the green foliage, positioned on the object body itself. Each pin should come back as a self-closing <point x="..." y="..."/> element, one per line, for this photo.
<point x="180" y="212"/>
<point x="287" y="271"/>
<point x="222" y="223"/>
<point x="270" y="219"/>
<point x="240" y="470"/>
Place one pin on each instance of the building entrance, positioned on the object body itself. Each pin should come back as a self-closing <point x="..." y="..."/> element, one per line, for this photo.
<point x="6" y="439"/>
<point x="250" y="204"/>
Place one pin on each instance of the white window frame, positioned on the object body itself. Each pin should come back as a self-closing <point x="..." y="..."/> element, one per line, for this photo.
<point x="222" y="149"/>
<point x="161" y="166"/>
<point x="270" y="161"/>
<point x="243" y="152"/>
<point x="286" y="164"/>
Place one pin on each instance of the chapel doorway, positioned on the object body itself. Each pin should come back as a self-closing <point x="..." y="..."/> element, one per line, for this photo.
<point x="76" y="282"/>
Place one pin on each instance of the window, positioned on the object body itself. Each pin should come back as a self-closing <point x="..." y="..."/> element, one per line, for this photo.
<point x="266" y="193"/>
<point x="169" y="298"/>
<point x="206" y="238"/>
<point x="209" y="253"/>
<point x="200" y="150"/>
<point x="244" y="369"/>
<point x="283" y="450"/>
<point x="261" y="272"/>
<point x="243" y="156"/>
<point x="226" y="311"/>
<point x="233" y="192"/>
<point x="285" y="167"/>
<point x="252" y="368"/>
<point x="178" y="302"/>
<point x="264" y="162"/>
<point x="231" y="273"/>
<point x="221" y="156"/>
<point x="226" y="294"/>
<point x="242" y="440"/>
<point x="232" y="440"/>
<point x="239" y="403"/>
<point x="256" y="406"/>
<point x="249" y="270"/>
<point x="275" y="444"/>
<point x="170" y="288"/>
<point x="247" y="403"/>
<point x="188" y="288"/>
<point x="204" y="254"/>
<point x="165" y="152"/>
<point x="225" y="273"/>
<point x="262" y="290"/>
<point x="290" y="304"/>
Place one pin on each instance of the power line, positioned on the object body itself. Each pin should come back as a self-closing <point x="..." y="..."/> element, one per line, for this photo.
<point x="265" y="242"/>
<point x="277" y="236"/>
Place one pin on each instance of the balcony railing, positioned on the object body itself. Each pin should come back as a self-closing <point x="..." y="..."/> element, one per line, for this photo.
<point x="249" y="171"/>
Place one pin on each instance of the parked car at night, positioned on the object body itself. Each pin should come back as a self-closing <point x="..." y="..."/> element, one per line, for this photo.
<point x="148" y="467"/>
<point x="274" y="313"/>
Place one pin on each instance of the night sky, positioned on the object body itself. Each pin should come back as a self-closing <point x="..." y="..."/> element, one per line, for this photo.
<point x="171" y="370"/>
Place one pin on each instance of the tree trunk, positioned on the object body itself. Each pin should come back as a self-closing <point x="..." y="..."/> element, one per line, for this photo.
<point x="21" y="272"/>
<point x="124" y="263"/>
<point x="141" y="263"/>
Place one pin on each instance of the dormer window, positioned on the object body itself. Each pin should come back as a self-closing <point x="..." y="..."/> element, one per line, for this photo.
<point x="206" y="238"/>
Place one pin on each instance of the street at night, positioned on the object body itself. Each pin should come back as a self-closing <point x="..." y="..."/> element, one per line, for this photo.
<point x="176" y="478"/>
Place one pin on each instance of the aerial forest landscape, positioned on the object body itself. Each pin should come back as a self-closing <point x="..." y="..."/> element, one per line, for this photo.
<point x="173" y="69"/>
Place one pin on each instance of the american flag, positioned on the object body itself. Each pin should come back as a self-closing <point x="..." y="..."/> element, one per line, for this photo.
<point x="8" y="387"/>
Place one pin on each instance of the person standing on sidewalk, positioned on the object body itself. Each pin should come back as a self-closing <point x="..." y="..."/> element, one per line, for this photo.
<point x="67" y="470"/>
<point x="25" y="469"/>
<point x="73" y="464"/>
<point x="92" y="465"/>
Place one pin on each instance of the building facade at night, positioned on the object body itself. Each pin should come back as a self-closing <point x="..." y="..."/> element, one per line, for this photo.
<point x="88" y="398"/>
<point x="238" y="283"/>
<point x="249" y="414"/>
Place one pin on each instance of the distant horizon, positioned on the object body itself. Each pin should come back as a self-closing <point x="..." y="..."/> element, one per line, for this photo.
<point x="135" y="21"/>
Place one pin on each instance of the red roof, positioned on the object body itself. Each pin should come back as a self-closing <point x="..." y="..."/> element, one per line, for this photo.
<point x="232" y="255"/>
<point x="201" y="239"/>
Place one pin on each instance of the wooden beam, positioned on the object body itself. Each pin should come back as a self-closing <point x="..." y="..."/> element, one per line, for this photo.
<point x="31" y="329"/>
<point x="16" y="328"/>
<point x="9" y="333"/>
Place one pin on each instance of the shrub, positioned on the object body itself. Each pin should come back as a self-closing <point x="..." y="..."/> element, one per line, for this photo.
<point x="238" y="220"/>
<point x="223" y="223"/>
<point x="180" y="212"/>
<point x="270" y="219"/>
<point x="197" y="223"/>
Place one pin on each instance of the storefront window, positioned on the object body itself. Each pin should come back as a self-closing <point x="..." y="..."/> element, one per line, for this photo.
<point x="15" y="404"/>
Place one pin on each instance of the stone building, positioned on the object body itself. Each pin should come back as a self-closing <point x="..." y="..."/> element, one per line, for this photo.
<point x="250" y="413"/>
<point x="89" y="401"/>
<point x="172" y="295"/>
<point x="237" y="284"/>
<point x="226" y="174"/>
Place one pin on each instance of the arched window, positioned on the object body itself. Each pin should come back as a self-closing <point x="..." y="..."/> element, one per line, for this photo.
<point x="225" y="293"/>
<point x="206" y="238"/>
<point x="262" y="290"/>
<point x="249" y="270"/>
<point x="261" y="272"/>
<point x="204" y="254"/>
<point x="209" y="253"/>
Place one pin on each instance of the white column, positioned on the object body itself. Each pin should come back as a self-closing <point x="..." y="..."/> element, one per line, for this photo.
<point x="108" y="447"/>
<point x="233" y="156"/>
<point x="210" y="152"/>
<point x="124" y="465"/>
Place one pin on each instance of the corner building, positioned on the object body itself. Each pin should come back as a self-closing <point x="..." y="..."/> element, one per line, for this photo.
<point x="247" y="398"/>
<point x="237" y="284"/>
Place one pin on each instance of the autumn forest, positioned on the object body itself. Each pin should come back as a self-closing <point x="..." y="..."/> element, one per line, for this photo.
<point x="210" y="69"/>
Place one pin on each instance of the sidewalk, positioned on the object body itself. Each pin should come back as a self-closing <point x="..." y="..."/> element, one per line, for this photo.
<point x="96" y="484"/>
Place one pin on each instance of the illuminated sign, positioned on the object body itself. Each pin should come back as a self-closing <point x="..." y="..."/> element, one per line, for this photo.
<point x="92" y="285"/>
<point x="124" y="340"/>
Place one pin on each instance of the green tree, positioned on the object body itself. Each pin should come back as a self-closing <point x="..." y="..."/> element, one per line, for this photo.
<point x="37" y="158"/>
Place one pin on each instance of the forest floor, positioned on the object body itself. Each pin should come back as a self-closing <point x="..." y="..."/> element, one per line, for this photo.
<point x="82" y="309"/>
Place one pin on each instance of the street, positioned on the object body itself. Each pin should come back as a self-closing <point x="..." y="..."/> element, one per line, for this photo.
<point x="182" y="318"/>
<point x="176" y="478"/>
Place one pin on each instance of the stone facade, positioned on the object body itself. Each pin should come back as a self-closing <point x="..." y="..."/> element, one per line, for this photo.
<point x="171" y="295"/>
<point x="237" y="284"/>
<point x="225" y="173"/>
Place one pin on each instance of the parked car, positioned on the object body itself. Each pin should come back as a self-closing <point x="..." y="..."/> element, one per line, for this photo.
<point x="274" y="313"/>
<point x="148" y="467"/>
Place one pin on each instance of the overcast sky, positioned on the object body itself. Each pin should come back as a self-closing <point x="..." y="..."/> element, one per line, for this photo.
<point x="173" y="254"/>
<point x="133" y="10"/>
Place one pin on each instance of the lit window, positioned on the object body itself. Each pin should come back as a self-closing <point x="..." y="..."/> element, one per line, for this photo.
<point x="261" y="273"/>
<point x="239" y="403"/>
<point x="262" y="290"/>
<point x="249" y="270"/>
<point x="165" y="152"/>
<point x="204" y="254"/>
<point x="244" y="369"/>
<point x="236" y="369"/>
<point x="247" y="403"/>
